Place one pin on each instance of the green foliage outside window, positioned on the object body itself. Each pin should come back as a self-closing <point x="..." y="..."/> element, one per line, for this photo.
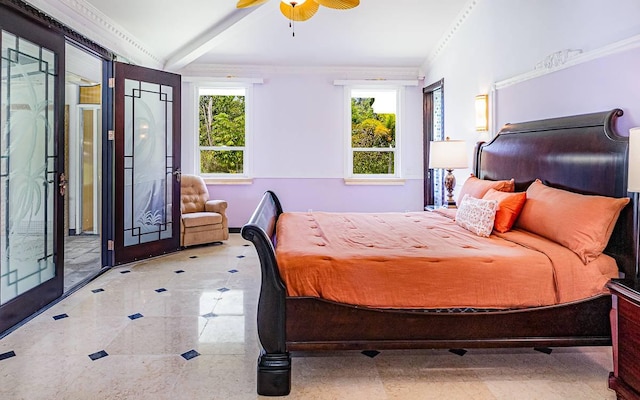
<point x="222" y="124"/>
<point x="371" y="131"/>
<point x="373" y="162"/>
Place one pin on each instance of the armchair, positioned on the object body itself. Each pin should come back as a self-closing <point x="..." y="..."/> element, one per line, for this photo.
<point x="201" y="220"/>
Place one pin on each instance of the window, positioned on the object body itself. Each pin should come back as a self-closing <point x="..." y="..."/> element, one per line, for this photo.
<point x="374" y="133"/>
<point x="222" y="131"/>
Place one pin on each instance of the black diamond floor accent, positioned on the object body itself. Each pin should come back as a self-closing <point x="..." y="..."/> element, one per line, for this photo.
<point x="224" y="289"/>
<point x="370" y="353"/>
<point x="97" y="290"/>
<point x="193" y="256"/>
<point x="459" y="352"/>
<point x="544" y="350"/>
<point x="161" y="290"/>
<point x="232" y="271"/>
<point x="135" y="316"/>
<point x="239" y="256"/>
<point x="60" y="316"/>
<point x="209" y="315"/>
<point x="190" y="354"/>
<point x="179" y="271"/>
<point x="126" y="271"/>
<point x="8" y="354"/>
<point x="98" y="355"/>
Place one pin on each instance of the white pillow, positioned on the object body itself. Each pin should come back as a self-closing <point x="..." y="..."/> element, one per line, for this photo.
<point x="477" y="215"/>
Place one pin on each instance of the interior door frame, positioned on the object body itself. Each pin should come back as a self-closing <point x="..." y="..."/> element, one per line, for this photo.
<point x="124" y="254"/>
<point x="25" y="304"/>
<point x="428" y="136"/>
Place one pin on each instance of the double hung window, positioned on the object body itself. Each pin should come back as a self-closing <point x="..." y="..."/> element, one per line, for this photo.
<point x="222" y="131"/>
<point x="374" y="129"/>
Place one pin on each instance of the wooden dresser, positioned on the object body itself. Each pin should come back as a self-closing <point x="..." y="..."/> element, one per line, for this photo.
<point x="625" y="332"/>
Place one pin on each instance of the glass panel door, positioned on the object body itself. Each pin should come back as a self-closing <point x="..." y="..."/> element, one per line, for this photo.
<point x="30" y="186"/>
<point x="147" y="162"/>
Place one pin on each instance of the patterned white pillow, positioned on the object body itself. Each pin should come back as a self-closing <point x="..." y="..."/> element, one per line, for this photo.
<point x="477" y="215"/>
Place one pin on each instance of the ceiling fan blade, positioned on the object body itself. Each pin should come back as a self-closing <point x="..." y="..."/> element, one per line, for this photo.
<point x="301" y="12"/>
<point x="339" y="4"/>
<point x="249" y="3"/>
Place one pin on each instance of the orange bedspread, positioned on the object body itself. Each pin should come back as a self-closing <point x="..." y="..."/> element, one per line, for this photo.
<point x="425" y="260"/>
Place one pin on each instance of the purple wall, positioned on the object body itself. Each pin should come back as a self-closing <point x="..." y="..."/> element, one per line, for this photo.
<point x="602" y="84"/>
<point x="319" y="195"/>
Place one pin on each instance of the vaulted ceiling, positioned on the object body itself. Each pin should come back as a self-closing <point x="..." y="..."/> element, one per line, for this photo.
<point x="174" y="34"/>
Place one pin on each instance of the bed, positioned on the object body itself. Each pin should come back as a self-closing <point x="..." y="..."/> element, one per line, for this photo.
<point x="581" y="154"/>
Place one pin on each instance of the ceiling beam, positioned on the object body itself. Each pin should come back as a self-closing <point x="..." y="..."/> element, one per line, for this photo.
<point x="211" y="38"/>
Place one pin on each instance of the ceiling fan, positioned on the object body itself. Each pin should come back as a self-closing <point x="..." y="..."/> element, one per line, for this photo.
<point x="302" y="10"/>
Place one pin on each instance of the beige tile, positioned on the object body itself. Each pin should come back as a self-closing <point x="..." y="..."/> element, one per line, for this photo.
<point x="46" y="377"/>
<point x="127" y="377"/>
<point x="350" y="377"/>
<point x="217" y="377"/>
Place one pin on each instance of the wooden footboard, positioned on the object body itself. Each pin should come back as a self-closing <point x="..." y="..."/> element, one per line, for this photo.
<point x="274" y="362"/>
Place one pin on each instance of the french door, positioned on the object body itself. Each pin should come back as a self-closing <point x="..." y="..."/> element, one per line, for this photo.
<point x="32" y="183"/>
<point x="147" y="163"/>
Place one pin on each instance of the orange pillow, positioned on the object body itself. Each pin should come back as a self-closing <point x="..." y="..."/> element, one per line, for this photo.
<point x="579" y="222"/>
<point x="509" y="207"/>
<point x="477" y="188"/>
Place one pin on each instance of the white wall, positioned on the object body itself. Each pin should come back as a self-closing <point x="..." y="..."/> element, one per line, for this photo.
<point x="504" y="38"/>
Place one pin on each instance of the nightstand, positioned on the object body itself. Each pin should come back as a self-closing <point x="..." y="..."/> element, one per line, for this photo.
<point x="625" y="335"/>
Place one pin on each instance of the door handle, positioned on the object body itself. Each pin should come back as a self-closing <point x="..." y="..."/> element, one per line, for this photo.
<point x="178" y="174"/>
<point x="62" y="184"/>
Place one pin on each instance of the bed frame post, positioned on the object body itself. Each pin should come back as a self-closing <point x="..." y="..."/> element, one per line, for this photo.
<point x="274" y="362"/>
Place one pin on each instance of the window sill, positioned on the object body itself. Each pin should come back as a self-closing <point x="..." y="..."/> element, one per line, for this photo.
<point x="227" y="181"/>
<point x="374" y="181"/>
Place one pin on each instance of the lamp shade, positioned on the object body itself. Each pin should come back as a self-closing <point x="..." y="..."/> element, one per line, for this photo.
<point x="448" y="154"/>
<point x="634" y="160"/>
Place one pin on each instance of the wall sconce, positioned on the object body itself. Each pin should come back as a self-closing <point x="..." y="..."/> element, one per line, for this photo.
<point x="482" y="112"/>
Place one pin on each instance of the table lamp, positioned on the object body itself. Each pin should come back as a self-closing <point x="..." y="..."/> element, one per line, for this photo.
<point x="449" y="155"/>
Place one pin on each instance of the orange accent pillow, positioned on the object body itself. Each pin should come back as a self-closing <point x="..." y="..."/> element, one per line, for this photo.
<point x="509" y="207"/>
<point x="477" y="188"/>
<point x="579" y="222"/>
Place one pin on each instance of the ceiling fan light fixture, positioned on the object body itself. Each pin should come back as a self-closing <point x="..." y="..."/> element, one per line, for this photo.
<point x="294" y="3"/>
<point x="298" y="10"/>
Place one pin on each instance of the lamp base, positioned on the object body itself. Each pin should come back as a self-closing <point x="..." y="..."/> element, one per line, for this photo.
<point x="451" y="204"/>
<point x="449" y="184"/>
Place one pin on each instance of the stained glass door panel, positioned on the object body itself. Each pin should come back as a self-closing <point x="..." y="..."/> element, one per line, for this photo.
<point x="147" y="162"/>
<point x="30" y="197"/>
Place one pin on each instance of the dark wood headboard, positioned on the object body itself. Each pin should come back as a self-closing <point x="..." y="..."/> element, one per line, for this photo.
<point x="581" y="153"/>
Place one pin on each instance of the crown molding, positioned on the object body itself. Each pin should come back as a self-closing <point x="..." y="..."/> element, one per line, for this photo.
<point x="566" y="58"/>
<point x="91" y="22"/>
<point x="259" y="71"/>
<point x="453" y="29"/>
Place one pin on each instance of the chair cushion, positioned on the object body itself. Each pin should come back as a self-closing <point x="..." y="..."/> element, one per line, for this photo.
<point x="193" y="194"/>
<point x="201" y="218"/>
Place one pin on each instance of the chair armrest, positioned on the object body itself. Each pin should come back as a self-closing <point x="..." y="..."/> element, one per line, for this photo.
<point x="218" y="206"/>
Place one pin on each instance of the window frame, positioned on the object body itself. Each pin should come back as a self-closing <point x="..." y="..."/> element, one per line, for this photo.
<point x="247" y="149"/>
<point x="350" y="176"/>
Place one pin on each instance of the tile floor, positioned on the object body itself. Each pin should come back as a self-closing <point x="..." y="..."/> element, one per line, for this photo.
<point x="81" y="259"/>
<point x="183" y="326"/>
